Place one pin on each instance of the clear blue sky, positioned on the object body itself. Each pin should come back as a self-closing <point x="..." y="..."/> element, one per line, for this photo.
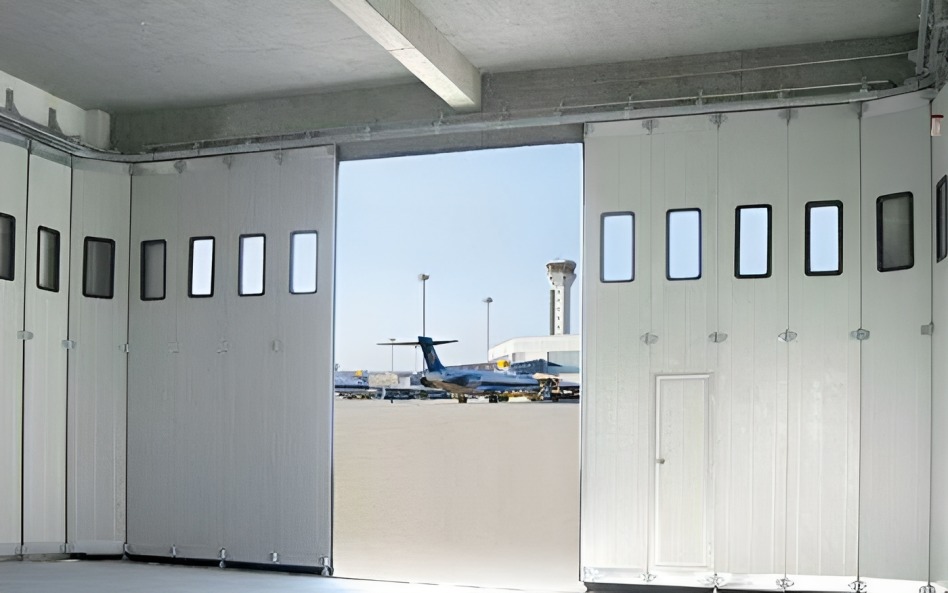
<point x="480" y="223"/>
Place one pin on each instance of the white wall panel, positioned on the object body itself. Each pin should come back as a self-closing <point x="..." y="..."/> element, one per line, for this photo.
<point x="749" y="408"/>
<point x="13" y="174"/>
<point x="44" y="399"/>
<point x="823" y="473"/>
<point x="939" y="519"/>
<point x="98" y="366"/>
<point x="619" y="405"/>
<point x="246" y="421"/>
<point x="895" y="439"/>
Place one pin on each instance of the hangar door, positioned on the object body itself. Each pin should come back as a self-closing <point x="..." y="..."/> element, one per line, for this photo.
<point x="230" y="362"/>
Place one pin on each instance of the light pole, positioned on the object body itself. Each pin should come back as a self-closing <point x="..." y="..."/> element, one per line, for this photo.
<point x="392" y="340"/>
<point x="424" y="280"/>
<point x="488" y="300"/>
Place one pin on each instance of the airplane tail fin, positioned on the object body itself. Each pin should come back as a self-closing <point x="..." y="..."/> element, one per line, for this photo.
<point x="431" y="357"/>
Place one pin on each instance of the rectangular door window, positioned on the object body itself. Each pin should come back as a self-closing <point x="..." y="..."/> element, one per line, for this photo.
<point x="752" y="248"/>
<point x="824" y="238"/>
<point x="941" y="201"/>
<point x="683" y="244"/>
<point x="7" y="246"/>
<point x="154" y="264"/>
<point x="201" y="281"/>
<point x="98" y="273"/>
<point x="252" y="265"/>
<point x="617" y="249"/>
<point x="303" y="251"/>
<point x="47" y="260"/>
<point x="895" y="232"/>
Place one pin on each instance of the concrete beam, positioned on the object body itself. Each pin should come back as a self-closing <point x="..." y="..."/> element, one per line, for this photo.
<point x="411" y="39"/>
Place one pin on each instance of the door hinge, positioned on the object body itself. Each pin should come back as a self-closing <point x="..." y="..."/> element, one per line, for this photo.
<point x="126" y="348"/>
<point x="860" y="334"/>
<point x="70" y="344"/>
<point x="928" y="329"/>
<point x="24" y="335"/>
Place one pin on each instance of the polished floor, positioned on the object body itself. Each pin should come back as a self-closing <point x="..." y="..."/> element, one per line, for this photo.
<point x="134" y="577"/>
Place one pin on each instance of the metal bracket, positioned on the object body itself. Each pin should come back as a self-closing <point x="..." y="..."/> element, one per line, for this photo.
<point x="229" y="161"/>
<point x="787" y="336"/>
<point x="784" y="583"/>
<point x="24" y="335"/>
<point x="70" y="344"/>
<point x="173" y="347"/>
<point x="126" y="348"/>
<point x="717" y="119"/>
<point x="223" y="556"/>
<point x="10" y="105"/>
<point x="174" y="551"/>
<point x="787" y="114"/>
<point x="274" y="558"/>
<point x="929" y="329"/>
<point x="278" y="155"/>
<point x="19" y="550"/>
<point x="590" y="575"/>
<point x="52" y="122"/>
<point x="717" y="337"/>
<point x="180" y="166"/>
<point x="326" y="563"/>
<point x="647" y="577"/>
<point x="649" y="339"/>
<point x="650" y="125"/>
<point x="857" y="586"/>
<point x="713" y="581"/>
<point x="700" y="100"/>
<point x="860" y="334"/>
<point x="224" y="346"/>
<point x="926" y="589"/>
<point x="277" y="346"/>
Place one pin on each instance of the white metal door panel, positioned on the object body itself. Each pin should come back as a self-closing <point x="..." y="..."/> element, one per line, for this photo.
<point x="895" y="441"/>
<point x="303" y="369"/>
<point x="96" y="412"/>
<point x="684" y="175"/>
<point x="823" y="472"/>
<point x="13" y="172"/>
<point x="153" y="348"/>
<point x="282" y="409"/>
<point x="44" y="393"/>
<point x="682" y="486"/>
<point x="939" y="520"/>
<point x="749" y="404"/>
<point x="246" y="420"/>
<point x="203" y="397"/>
<point x="618" y="405"/>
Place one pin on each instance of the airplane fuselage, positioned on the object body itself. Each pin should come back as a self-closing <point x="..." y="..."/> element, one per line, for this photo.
<point x="479" y="382"/>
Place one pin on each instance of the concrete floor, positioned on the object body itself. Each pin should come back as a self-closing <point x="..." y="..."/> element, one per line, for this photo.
<point x="132" y="577"/>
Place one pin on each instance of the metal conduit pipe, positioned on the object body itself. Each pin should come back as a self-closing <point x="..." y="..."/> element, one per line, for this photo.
<point x="471" y="123"/>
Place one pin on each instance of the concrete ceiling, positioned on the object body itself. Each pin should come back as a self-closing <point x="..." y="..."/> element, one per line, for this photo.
<point x="124" y="55"/>
<point x="506" y="35"/>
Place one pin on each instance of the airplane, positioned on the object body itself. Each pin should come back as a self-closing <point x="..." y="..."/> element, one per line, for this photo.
<point x="464" y="383"/>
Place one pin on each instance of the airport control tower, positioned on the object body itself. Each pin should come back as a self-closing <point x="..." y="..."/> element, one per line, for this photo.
<point x="561" y="273"/>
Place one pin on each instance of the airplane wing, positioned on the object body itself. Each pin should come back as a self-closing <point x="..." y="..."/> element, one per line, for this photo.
<point x="416" y="343"/>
